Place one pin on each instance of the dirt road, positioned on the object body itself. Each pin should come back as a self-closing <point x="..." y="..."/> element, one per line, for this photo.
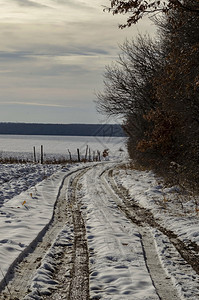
<point x="85" y="249"/>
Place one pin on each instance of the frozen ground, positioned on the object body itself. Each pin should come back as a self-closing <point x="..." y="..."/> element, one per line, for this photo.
<point x="125" y="256"/>
<point x="176" y="209"/>
<point x="16" y="178"/>
<point x="28" y="194"/>
<point x="56" y="147"/>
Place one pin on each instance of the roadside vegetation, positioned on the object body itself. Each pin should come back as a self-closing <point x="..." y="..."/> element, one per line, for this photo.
<point x="154" y="87"/>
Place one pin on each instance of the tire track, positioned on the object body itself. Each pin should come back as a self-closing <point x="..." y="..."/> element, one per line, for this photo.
<point x="105" y="203"/>
<point x="144" y="217"/>
<point x="19" y="277"/>
<point x="79" y="286"/>
<point x="162" y="283"/>
<point x="184" y="256"/>
<point x="110" y="244"/>
<point x="73" y="272"/>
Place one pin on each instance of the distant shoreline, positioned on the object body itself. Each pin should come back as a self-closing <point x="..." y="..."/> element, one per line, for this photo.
<point x="108" y="130"/>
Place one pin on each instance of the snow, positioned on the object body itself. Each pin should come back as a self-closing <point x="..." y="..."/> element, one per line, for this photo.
<point x="21" y="146"/>
<point x="42" y="279"/>
<point x="116" y="249"/>
<point x="25" y="215"/>
<point x="175" y="209"/>
<point x="16" y="178"/>
<point x="117" y="264"/>
<point x="178" y="268"/>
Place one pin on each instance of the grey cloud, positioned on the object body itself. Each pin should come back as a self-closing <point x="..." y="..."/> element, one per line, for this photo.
<point x="45" y="70"/>
<point x="79" y="50"/>
<point x="26" y="64"/>
<point x="51" y="51"/>
<point x="88" y="51"/>
<point x="75" y="4"/>
<point x="29" y="3"/>
<point x="14" y="56"/>
<point x="65" y="70"/>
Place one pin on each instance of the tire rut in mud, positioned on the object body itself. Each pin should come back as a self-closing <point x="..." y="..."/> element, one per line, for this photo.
<point x="142" y="217"/>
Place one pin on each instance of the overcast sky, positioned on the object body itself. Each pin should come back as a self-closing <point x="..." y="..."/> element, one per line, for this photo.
<point x="52" y="58"/>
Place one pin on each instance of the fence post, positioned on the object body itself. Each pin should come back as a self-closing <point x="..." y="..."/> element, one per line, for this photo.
<point x="89" y="156"/>
<point x="78" y="154"/>
<point x="86" y="152"/>
<point x="98" y="153"/>
<point x="34" y="155"/>
<point x="42" y="155"/>
<point x="70" y="155"/>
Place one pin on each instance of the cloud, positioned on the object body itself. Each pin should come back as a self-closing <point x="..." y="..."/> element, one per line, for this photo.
<point x="14" y="56"/>
<point x="44" y="114"/>
<point x="29" y="3"/>
<point x="53" y="54"/>
<point x="35" y="104"/>
<point x="77" y="4"/>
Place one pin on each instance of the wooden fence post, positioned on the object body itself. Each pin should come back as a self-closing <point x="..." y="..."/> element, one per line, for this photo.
<point x="89" y="156"/>
<point x="86" y="152"/>
<point x="42" y="155"/>
<point x="34" y="155"/>
<point x="78" y="154"/>
<point x="70" y="155"/>
<point x="98" y="154"/>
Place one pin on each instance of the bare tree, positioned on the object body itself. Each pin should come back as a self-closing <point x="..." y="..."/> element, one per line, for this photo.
<point x="137" y="9"/>
<point x="128" y="86"/>
<point x="127" y="83"/>
<point x="154" y="85"/>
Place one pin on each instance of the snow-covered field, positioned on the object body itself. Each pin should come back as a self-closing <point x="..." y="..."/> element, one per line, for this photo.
<point x="16" y="178"/>
<point x="117" y="263"/>
<point x="28" y="193"/>
<point x="19" y="146"/>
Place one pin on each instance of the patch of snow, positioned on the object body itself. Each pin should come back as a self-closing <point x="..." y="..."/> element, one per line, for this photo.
<point x="25" y="216"/>
<point x="183" y="276"/>
<point x="117" y="265"/>
<point x="42" y="282"/>
<point x="175" y="210"/>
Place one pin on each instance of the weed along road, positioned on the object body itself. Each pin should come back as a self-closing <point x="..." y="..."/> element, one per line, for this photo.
<point x="102" y="244"/>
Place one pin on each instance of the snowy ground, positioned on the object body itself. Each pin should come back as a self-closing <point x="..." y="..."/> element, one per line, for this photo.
<point x="16" y="178"/>
<point x="28" y="193"/>
<point x="177" y="209"/>
<point x="117" y="248"/>
<point x="56" y="147"/>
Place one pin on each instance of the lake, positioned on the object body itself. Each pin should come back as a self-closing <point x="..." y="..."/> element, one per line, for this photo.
<point x="21" y="146"/>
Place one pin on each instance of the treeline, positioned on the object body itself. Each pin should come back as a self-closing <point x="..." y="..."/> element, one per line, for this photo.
<point x="114" y="130"/>
<point x="154" y="86"/>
